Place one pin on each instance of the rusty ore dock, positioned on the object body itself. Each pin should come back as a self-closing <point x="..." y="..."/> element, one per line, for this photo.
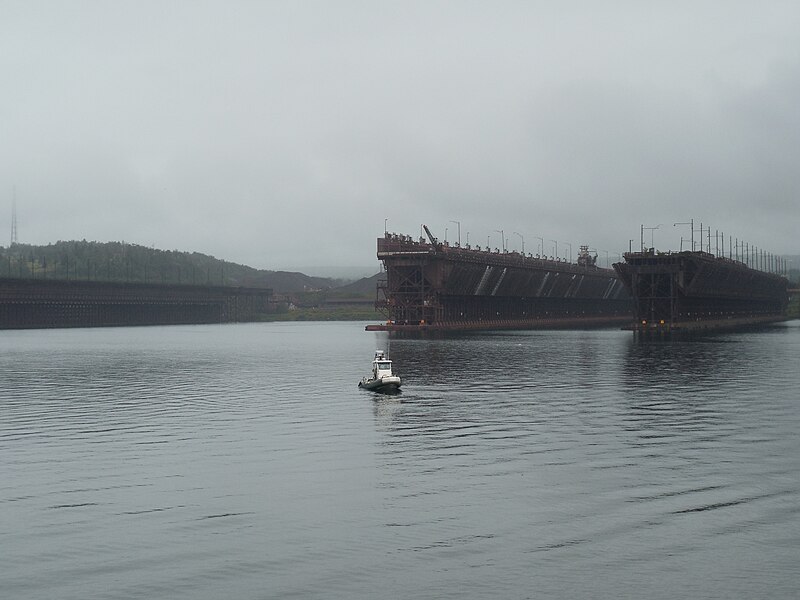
<point x="432" y="286"/>
<point x="696" y="291"/>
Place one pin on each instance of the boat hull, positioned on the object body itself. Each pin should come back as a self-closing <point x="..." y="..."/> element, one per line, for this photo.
<point x="381" y="384"/>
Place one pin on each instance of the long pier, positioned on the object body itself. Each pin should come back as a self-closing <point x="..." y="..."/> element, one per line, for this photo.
<point x="692" y="291"/>
<point x="432" y="286"/>
<point x="40" y="303"/>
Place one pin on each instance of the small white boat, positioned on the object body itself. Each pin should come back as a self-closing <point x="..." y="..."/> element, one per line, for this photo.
<point x="382" y="378"/>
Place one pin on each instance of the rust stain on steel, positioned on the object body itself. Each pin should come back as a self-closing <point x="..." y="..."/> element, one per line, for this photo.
<point x="691" y="291"/>
<point x="431" y="285"/>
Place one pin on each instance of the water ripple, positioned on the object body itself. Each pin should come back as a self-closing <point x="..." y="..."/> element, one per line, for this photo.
<point x="197" y="462"/>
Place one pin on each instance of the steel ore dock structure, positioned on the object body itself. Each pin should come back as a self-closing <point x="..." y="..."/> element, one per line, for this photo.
<point x="691" y="291"/>
<point x="436" y="287"/>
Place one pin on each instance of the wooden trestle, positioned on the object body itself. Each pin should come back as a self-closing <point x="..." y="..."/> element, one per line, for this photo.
<point x="39" y="303"/>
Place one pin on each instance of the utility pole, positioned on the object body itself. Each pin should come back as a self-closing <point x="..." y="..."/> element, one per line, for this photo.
<point x="14" y="216"/>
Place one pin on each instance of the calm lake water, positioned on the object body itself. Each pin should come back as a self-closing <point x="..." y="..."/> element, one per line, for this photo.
<point x="242" y="461"/>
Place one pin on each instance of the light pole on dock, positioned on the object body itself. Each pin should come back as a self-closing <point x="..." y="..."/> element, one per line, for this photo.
<point x="459" y="231"/>
<point x="652" y="234"/>
<point x="523" y="242"/>
<point x="691" y="226"/>
<point x="502" y="239"/>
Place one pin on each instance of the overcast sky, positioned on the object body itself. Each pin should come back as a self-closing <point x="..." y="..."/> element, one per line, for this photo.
<point x="283" y="134"/>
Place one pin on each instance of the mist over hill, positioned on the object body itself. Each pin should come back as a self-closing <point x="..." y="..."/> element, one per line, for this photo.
<point x="363" y="287"/>
<point x="343" y="273"/>
<point x="124" y="262"/>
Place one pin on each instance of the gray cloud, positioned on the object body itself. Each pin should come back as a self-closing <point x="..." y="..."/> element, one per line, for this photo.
<point x="283" y="134"/>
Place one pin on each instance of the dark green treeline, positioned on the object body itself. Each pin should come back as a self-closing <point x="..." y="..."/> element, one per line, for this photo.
<point x="121" y="262"/>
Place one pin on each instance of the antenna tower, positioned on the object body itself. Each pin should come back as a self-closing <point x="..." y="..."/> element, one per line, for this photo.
<point x="14" y="217"/>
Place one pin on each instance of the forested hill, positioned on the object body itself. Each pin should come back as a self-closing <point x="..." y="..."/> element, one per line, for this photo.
<point x="118" y="261"/>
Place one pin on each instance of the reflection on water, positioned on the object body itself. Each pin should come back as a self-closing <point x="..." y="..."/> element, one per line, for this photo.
<point x="208" y="461"/>
<point x="599" y="441"/>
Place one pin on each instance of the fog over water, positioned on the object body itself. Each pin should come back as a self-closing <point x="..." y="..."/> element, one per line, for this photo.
<point x="282" y="134"/>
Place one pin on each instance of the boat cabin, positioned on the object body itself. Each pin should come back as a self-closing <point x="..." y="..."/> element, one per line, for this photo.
<point x="381" y="366"/>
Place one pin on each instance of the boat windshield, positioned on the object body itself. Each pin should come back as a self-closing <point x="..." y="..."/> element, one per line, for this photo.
<point x="385" y="366"/>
